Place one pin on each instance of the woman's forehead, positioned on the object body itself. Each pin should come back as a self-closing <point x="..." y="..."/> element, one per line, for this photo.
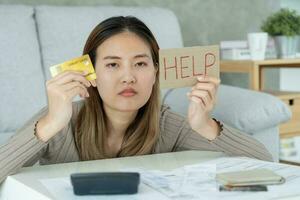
<point x="123" y="45"/>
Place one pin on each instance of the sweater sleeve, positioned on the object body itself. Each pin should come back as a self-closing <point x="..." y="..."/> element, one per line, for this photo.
<point x="230" y="141"/>
<point x="23" y="148"/>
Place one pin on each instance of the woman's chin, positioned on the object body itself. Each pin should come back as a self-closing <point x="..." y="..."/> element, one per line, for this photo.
<point x="129" y="107"/>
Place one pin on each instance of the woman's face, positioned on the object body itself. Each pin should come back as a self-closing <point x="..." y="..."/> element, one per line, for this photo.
<point x="125" y="72"/>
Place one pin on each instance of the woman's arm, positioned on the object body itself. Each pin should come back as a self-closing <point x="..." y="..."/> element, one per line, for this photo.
<point x="177" y="135"/>
<point x="230" y="141"/>
<point x="23" y="148"/>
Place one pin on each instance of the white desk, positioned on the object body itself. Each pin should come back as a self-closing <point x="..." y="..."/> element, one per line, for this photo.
<point x="26" y="184"/>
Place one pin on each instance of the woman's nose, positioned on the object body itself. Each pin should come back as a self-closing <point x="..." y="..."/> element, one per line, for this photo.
<point x="129" y="79"/>
<point x="128" y="76"/>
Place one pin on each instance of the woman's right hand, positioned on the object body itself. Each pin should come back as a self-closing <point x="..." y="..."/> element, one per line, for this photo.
<point x="60" y="91"/>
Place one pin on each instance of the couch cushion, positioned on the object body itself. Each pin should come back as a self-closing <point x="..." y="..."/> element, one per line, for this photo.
<point x="21" y="76"/>
<point x="64" y="30"/>
<point x="243" y="109"/>
<point x="4" y="136"/>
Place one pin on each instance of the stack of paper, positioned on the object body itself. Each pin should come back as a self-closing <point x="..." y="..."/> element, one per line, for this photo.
<point x="195" y="182"/>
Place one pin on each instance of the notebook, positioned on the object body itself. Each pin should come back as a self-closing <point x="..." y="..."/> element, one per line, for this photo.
<point x="250" y="177"/>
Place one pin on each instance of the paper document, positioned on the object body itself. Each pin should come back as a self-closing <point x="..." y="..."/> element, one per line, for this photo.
<point x="195" y="182"/>
<point x="289" y="189"/>
<point x="186" y="182"/>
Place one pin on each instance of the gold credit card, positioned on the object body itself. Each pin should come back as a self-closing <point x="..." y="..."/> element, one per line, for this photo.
<point x="81" y="64"/>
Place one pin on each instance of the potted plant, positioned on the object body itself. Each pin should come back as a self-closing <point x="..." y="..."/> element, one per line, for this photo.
<point x="284" y="26"/>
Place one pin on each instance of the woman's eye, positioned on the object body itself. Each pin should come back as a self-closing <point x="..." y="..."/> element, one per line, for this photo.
<point x="141" y="64"/>
<point x="112" y="65"/>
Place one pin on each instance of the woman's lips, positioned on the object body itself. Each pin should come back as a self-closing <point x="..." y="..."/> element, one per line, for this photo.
<point x="128" y="93"/>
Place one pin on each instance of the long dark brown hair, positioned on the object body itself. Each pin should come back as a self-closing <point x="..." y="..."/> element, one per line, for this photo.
<point x="91" y="129"/>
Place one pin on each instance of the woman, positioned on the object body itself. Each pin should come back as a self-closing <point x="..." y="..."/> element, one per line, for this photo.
<point x="121" y="113"/>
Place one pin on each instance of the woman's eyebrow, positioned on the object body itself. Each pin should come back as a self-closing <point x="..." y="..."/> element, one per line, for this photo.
<point x="136" y="56"/>
<point x="112" y="57"/>
<point x="144" y="55"/>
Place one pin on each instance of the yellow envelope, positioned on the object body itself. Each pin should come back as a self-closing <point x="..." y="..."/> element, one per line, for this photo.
<point x="82" y="63"/>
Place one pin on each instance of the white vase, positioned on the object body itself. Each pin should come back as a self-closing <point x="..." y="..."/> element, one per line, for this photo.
<point x="257" y="43"/>
<point x="286" y="46"/>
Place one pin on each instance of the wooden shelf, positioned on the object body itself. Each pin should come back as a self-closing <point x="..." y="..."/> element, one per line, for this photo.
<point x="255" y="69"/>
<point x="271" y="62"/>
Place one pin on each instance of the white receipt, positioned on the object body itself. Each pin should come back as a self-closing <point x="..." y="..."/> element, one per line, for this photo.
<point x="194" y="182"/>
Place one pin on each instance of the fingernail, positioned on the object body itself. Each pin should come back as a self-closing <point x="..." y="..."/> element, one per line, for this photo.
<point x="200" y="77"/>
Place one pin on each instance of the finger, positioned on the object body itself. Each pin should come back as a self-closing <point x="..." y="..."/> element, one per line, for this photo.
<point x="71" y="85"/>
<point x="209" y="87"/>
<point x="76" y="91"/>
<point x="49" y="82"/>
<point x="93" y="82"/>
<point x="198" y="101"/>
<point x="85" y="94"/>
<point x="202" y="94"/>
<point x="58" y="76"/>
<point x="205" y="78"/>
<point x="73" y="77"/>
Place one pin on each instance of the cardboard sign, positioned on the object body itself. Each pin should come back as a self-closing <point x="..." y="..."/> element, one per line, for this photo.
<point x="180" y="67"/>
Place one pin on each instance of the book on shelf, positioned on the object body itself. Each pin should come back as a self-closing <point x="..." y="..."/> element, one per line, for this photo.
<point x="239" y="50"/>
<point x="234" y="44"/>
<point x="243" y="54"/>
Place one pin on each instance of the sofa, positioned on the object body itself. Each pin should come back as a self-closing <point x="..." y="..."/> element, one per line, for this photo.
<point x="32" y="38"/>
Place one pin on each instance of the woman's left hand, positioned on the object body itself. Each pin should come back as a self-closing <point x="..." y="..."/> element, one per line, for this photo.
<point x="202" y="100"/>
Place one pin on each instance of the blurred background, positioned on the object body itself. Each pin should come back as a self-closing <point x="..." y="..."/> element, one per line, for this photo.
<point x="209" y="22"/>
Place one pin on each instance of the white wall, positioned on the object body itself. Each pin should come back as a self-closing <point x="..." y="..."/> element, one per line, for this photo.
<point x="290" y="78"/>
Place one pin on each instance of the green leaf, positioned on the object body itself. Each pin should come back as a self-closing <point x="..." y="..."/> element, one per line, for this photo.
<point x="283" y="22"/>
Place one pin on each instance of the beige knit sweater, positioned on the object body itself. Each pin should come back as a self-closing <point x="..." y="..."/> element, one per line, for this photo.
<point x="24" y="149"/>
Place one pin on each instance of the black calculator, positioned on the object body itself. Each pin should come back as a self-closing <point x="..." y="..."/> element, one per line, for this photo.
<point x="105" y="183"/>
